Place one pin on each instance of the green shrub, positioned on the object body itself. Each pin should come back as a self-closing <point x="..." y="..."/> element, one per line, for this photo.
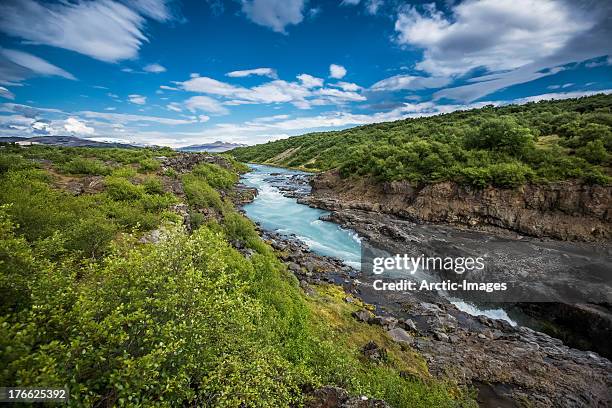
<point x="121" y="189"/>
<point x="114" y="342"/>
<point x="80" y="165"/>
<point x="13" y="161"/>
<point x="502" y="134"/>
<point x="148" y="165"/>
<point x="216" y="176"/>
<point x="594" y="152"/>
<point x="153" y="185"/>
<point x="200" y="194"/>
<point x="170" y="172"/>
<point x="509" y="174"/>
<point x="476" y="176"/>
<point x="127" y="172"/>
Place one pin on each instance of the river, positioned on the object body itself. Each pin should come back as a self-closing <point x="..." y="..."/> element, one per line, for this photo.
<point x="274" y="211"/>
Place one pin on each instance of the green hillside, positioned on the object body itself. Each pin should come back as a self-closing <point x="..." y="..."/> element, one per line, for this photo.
<point x="503" y="146"/>
<point x="105" y="292"/>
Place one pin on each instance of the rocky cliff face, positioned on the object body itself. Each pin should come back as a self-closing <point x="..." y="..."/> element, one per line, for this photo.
<point x="564" y="210"/>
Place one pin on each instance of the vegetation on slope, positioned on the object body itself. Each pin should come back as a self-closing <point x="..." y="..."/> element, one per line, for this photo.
<point x="504" y="146"/>
<point x="89" y="302"/>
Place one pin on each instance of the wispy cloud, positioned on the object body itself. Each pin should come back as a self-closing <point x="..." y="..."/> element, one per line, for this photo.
<point x="137" y="99"/>
<point x="205" y="104"/>
<point x="409" y="82"/>
<point x="5" y="93"/>
<point x="105" y="30"/>
<point x="268" y="72"/>
<point x="16" y="66"/>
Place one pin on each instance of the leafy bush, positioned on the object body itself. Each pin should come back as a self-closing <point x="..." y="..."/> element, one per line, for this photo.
<point x="127" y="172"/>
<point x="199" y="193"/>
<point x="594" y="152"/>
<point x="509" y="174"/>
<point x="80" y="165"/>
<point x="148" y="165"/>
<point x="114" y="342"/>
<point x="170" y="172"/>
<point x="476" y="176"/>
<point x="153" y="185"/>
<point x="121" y="189"/>
<point x="502" y="134"/>
<point x="216" y="176"/>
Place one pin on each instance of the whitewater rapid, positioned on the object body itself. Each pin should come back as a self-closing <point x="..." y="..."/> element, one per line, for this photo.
<point x="276" y="212"/>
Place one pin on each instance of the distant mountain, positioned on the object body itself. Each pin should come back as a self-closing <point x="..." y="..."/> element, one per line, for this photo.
<point x="65" y="141"/>
<point x="215" y="147"/>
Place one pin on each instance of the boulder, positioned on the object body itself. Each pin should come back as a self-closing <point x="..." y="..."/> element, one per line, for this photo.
<point x="400" y="336"/>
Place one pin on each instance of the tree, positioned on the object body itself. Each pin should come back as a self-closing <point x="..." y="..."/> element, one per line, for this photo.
<point x="502" y="134"/>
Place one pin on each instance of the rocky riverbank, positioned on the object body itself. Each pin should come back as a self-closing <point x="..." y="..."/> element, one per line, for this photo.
<point x="564" y="210"/>
<point x="509" y="366"/>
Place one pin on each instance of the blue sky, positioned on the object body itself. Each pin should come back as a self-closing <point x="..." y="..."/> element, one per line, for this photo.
<point x="186" y="72"/>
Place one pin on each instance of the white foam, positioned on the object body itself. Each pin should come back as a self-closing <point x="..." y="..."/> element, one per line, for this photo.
<point x="499" y="314"/>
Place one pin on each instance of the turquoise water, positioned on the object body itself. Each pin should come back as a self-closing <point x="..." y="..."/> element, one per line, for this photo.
<point x="275" y="212"/>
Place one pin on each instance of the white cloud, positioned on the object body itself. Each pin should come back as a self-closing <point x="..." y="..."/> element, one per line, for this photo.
<point x="209" y="86"/>
<point x="309" y="81"/>
<point x="337" y="71"/>
<point x="137" y="99"/>
<point x="15" y="66"/>
<point x="206" y="104"/>
<point x="274" y="14"/>
<point x="409" y="82"/>
<point x="156" y="9"/>
<point x="350" y="2"/>
<point x="5" y="93"/>
<point x="269" y="72"/>
<point x="517" y="41"/>
<point x="373" y="5"/>
<point x="338" y="96"/>
<point x="347" y="86"/>
<point x="106" y="30"/>
<point x="154" y="68"/>
<point x="73" y="125"/>
<point x="203" y="118"/>
<point x="173" y="106"/>
<point x="303" y="94"/>
<point x="168" y="88"/>
<point x="496" y="34"/>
